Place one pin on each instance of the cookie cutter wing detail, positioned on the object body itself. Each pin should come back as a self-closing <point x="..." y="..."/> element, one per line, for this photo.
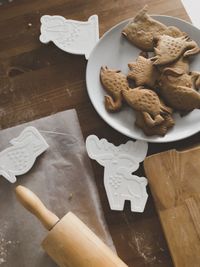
<point x="20" y="157"/>
<point x="72" y="36"/>
<point x="119" y="163"/>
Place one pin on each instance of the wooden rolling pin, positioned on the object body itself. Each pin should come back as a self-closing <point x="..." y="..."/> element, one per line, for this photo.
<point x="70" y="243"/>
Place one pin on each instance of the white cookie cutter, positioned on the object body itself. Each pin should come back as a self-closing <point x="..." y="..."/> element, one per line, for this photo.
<point x="20" y="157"/>
<point x="119" y="163"/>
<point x="72" y="36"/>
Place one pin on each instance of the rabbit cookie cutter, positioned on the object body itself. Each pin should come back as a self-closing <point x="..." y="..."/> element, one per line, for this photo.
<point x="72" y="36"/>
<point x="119" y="163"/>
<point x="20" y="157"/>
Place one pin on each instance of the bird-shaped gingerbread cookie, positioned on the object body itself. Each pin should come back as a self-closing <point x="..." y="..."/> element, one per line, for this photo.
<point x="147" y="102"/>
<point x="169" y="49"/>
<point x="143" y="72"/>
<point x="142" y="29"/>
<point x="113" y="82"/>
<point x="178" y="89"/>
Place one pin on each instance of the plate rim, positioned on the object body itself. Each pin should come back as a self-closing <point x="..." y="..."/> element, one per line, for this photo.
<point x="147" y="138"/>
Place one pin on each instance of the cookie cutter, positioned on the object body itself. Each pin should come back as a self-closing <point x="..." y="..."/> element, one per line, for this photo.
<point x="119" y="163"/>
<point x="72" y="36"/>
<point x="20" y="157"/>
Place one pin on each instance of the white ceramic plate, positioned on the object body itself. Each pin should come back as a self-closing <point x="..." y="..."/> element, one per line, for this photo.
<point x="114" y="51"/>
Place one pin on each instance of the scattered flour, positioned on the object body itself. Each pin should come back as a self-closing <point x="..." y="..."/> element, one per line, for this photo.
<point x="5" y="245"/>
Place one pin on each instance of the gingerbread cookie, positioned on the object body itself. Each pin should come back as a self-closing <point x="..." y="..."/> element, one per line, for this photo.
<point x="143" y="72"/>
<point x="195" y="76"/>
<point x="113" y="82"/>
<point x="182" y="63"/>
<point x="160" y="129"/>
<point x="169" y="49"/>
<point x="142" y="30"/>
<point x="176" y="88"/>
<point x="147" y="102"/>
<point x="165" y="75"/>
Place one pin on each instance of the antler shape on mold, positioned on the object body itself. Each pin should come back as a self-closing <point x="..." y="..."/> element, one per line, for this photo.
<point x="103" y="151"/>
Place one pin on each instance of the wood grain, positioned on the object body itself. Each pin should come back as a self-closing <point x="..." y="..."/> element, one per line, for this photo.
<point x="174" y="178"/>
<point x="34" y="205"/>
<point x="37" y="80"/>
<point x="69" y="241"/>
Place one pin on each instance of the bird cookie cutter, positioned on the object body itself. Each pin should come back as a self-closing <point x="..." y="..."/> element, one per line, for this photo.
<point x="72" y="36"/>
<point x="119" y="163"/>
<point x="20" y="157"/>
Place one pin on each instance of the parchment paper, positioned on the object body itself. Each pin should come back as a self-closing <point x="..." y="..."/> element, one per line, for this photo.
<point x="62" y="177"/>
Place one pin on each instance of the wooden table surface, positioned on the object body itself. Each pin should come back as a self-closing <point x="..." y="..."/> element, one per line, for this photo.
<point x="37" y="80"/>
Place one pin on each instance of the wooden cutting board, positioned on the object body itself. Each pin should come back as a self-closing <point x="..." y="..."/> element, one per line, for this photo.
<point x="174" y="179"/>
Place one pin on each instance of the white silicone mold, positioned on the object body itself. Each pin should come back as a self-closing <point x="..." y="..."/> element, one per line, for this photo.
<point x="20" y="157"/>
<point x="72" y="36"/>
<point x="119" y="163"/>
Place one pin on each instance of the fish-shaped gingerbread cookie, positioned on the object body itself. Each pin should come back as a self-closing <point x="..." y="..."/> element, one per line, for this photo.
<point x="148" y="103"/>
<point x="113" y="82"/>
<point x="178" y="89"/>
<point x="169" y="49"/>
<point x="142" y="29"/>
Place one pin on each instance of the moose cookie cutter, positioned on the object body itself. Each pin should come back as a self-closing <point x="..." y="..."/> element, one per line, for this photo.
<point x="20" y="157"/>
<point x="119" y="163"/>
<point x="72" y="36"/>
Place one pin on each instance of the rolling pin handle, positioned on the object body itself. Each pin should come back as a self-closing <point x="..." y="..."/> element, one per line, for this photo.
<point x="33" y="204"/>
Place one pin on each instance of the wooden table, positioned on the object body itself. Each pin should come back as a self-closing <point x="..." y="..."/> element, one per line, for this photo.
<point x="38" y="80"/>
